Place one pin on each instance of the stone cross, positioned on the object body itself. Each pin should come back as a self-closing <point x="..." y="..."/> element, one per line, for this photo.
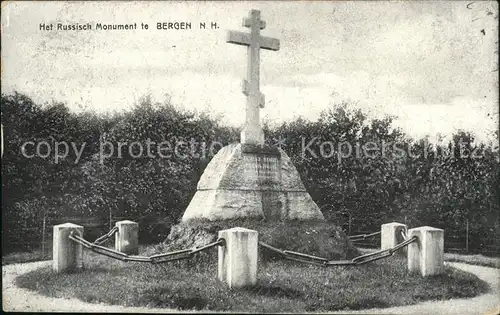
<point x="252" y="131"/>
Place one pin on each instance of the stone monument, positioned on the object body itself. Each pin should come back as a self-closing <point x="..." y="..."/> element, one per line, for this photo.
<point x="249" y="179"/>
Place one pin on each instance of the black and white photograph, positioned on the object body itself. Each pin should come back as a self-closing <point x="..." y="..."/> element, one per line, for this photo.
<point x="255" y="157"/>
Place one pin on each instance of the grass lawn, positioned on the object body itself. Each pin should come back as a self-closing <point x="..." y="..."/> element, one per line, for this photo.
<point x="476" y="259"/>
<point x="282" y="286"/>
<point x="22" y="257"/>
<point x="473" y="259"/>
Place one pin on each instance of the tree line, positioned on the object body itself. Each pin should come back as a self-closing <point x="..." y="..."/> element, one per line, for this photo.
<point x="348" y="163"/>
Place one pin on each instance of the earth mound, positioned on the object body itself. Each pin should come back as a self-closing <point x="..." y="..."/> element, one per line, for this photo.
<point x="318" y="238"/>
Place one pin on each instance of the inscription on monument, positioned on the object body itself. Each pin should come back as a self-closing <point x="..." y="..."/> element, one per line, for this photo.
<point x="263" y="169"/>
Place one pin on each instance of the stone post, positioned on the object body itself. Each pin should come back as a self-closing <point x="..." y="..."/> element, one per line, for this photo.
<point x="390" y="236"/>
<point x="238" y="257"/>
<point x="127" y="237"/>
<point x="426" y="255"/>
<point x="67" y="255"/>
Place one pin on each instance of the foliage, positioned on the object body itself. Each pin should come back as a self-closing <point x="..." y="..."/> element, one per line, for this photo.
<point x="435" y="186"/>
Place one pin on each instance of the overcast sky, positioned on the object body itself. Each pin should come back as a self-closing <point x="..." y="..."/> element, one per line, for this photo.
<point x="432" y="64"/>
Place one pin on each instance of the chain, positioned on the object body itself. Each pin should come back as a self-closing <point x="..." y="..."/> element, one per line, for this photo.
<point x="155" y="259"/>
<point x="287" y="254"/>
<point x="219" y="242"/>
<point x="271" y="248"/>
<point x="404" y="235"/>
<point x="363" y="236"/>
<point x="371" y="256"/>
<point x="315" y="260"/>
<point x="339" y="263"/>
<point x="302" y="255"/>
<point x="176" y="255"/>
<point x="405" y="243"/>
<point x="378" y="255"/>
<point x="107" y="251"/>
<point x="290" y="255"/>
<point x="106" y="237"/>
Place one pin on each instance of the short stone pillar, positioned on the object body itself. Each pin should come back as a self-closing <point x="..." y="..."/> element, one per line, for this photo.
<point x="390" y="236"/>
<point x="238" y="257"/>
<point x="426" y="255"/>
<point x="127" y="237"/>
<point x="67" y="255"/>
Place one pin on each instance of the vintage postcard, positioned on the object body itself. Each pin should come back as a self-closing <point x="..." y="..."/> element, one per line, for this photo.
<point x="250" y="157"/>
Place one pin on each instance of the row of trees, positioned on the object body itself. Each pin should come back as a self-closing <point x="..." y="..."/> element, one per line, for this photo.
<point x="435" y="185"/>
<point x="399" y="178"/>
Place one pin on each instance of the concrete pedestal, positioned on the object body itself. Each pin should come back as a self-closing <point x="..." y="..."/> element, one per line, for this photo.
<point x="243" y="181"/>
<point x="238" y="258"/>
<point x="67" y="255"/>
<point x="127" y="237"/>
<point x="426" y="255"/>
<point x="390" y="236"/>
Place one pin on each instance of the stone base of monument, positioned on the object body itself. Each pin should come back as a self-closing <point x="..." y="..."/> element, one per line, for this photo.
<point x="258" y="188"/>
<point x="317" y="238"/>
<point x="247" y="181"/>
